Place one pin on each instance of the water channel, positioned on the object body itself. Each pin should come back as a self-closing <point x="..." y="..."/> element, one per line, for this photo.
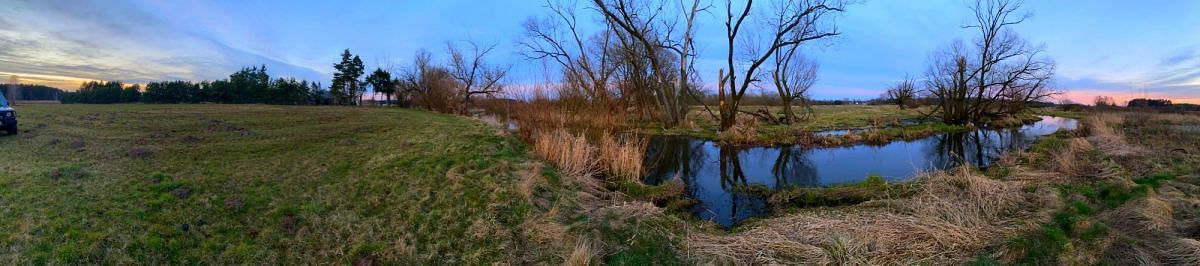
<point x="711" y="172"/>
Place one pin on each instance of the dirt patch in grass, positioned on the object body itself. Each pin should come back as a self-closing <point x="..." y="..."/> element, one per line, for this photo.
<point x="77" y="145"/>
<point x="140" y="153"/>
<point x="289" y="223"/>
<point x="233" y="203"/>
<point x="182" y="193"/>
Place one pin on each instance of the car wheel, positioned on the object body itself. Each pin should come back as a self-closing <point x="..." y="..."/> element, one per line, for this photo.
<point x="12" y="129"/>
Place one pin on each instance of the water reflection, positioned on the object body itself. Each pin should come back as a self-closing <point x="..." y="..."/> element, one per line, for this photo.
<point x="717" y="177"/>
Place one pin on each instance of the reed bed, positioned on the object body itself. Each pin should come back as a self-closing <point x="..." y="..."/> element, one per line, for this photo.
<point x="957" y="214"/>
<point x="571" y="153"/>
<point x="553" y="138"/>
<point x="623" y="157"/>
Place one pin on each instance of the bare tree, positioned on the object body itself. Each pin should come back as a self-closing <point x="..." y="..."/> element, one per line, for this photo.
<point x="793" y="76"/>
<point x="584" y="61"/>
<point x="412" y="84"/>
<point x="1000" y="74"/>
<point x="1103" y="101"/>
<point x="429" y="86"/>
<point x="473" y="74"/>
<point x="649" y="29"/>
<point x="793" y="23"/>
<point x="903" y="93"/>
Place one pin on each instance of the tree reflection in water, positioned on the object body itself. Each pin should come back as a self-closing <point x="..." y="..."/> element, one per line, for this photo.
<point x="723" y="180"/>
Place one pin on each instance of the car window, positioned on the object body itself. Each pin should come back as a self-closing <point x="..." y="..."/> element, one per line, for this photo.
<point x="3" y="101"/>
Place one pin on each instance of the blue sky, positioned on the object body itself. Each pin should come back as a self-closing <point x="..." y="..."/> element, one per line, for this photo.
<point x="1116" y="48"/>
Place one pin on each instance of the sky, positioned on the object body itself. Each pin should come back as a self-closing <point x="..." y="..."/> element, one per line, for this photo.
<point x="1122" y="49"/>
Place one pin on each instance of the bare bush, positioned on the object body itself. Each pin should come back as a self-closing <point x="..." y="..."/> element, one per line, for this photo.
<point x="431" y="87"/>
<point x="903" y="93"/>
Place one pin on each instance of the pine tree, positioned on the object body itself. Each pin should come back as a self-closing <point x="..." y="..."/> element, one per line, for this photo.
<point x="381" y="81"/>
<point x="346" y="84"/>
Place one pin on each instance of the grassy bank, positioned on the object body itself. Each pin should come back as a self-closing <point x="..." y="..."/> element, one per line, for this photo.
<point x="226" y="184"/>
<point x="856" y="124"/>
<point x="1130" y="196"/>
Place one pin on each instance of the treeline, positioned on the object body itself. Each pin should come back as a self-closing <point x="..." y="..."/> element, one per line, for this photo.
<point x="1159" y="104"/>
<point x="448" y="88"/>
<point x="249" y="85"/>
<point x="30" y="92"/>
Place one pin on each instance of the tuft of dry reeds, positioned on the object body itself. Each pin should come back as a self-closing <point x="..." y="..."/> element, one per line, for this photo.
<point x="623" y="157"/>
<point x="743" y="131"/>
<point x="620" y="157"/>
<point x="572" y="154"/>
<point x="1184" y="251"/>
<point x="1103" y="132"/>
<point x="581" y="255"/>
<point x="1066" y="160"/>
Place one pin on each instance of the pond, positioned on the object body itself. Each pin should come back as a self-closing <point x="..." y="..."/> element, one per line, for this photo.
<point x="711" y="172"/>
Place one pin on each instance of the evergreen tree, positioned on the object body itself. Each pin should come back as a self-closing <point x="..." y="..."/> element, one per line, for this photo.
<point x="381" y="81"/>
<point x="346" y="85"/>
<point x="132" y="94"/>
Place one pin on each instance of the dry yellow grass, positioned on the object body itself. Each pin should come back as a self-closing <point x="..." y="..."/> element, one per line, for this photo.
<point x="744" y="130"/>
<point x="623" y="157"/>
<point x="1108" y="139"/>
<point x="1184" y="251"/>
<point x="582" y="254"/>
<point x="572" y="154"/>
<point x="1066" y="160"/>
<point x="956" y="215"/>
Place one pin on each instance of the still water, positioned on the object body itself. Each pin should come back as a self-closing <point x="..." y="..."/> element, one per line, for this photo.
<point x="711" y="172"/>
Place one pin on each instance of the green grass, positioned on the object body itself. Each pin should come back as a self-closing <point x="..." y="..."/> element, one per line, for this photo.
<point x="226" y="184"/>
<point x="874" y="187"/>
<point x="1077" y="223"/>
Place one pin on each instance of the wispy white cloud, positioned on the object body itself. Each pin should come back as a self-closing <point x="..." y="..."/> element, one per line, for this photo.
<point x="86" y="40"/>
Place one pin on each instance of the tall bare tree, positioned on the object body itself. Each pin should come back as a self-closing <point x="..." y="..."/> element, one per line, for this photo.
<point x="475" y="76"/>
<point x="793" y="23"/>
<point x="1000" y="74"/>
<point x="793" y="75"/>
<point x="585" y="62"/>
<point x="666" y="46"/>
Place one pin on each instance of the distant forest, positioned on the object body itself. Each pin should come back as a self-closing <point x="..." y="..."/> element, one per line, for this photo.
<point x="249" y="85"/>
<point x="30" y="92"/>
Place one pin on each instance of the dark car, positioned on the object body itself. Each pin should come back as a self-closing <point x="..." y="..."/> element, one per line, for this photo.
<point x="8" y="116"/>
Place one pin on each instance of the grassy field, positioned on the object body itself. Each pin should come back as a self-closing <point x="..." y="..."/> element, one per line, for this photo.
<point x="222" y="184"/>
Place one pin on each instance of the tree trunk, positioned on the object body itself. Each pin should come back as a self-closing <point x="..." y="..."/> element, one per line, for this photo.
<point x="787" y="112"/>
